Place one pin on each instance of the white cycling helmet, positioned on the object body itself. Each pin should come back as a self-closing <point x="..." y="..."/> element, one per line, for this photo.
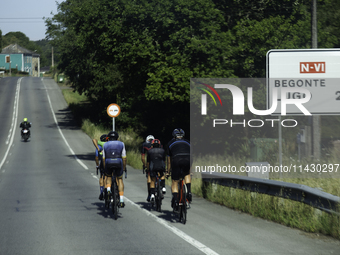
<point x="148" y="138"/>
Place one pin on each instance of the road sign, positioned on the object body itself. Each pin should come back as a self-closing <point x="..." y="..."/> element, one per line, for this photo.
<point x="113" y="110"/>
<point x="316" y="70"/>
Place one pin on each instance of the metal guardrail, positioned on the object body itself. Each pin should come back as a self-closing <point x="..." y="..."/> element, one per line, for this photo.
<point x="301" y="193"/>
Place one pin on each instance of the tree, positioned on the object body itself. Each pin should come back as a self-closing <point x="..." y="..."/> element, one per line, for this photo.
<point x="0" y="40"/>
<point x="141" y="54"/>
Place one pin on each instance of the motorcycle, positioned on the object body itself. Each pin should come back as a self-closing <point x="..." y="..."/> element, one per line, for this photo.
<point x="25" y="134"/>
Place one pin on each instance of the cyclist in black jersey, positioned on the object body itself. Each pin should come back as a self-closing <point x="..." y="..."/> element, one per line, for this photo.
<point x="144" y="149"/>
<point x="178" y="160"/>
<point x="156" y="165"/>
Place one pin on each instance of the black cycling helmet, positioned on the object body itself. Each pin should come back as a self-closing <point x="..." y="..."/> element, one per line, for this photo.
<point x="113" y="134"/>
<point x="178" y="133"/>
<point x="103" y="137"/>
<point x="156" y="143"/>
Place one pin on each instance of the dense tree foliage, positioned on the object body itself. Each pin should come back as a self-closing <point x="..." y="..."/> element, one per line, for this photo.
<point x="46" y="55"/>
<point x="0" y="39"/>
<point x="141" y="54"/>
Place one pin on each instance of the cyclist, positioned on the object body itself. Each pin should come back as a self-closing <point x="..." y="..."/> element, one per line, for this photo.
<point x="155" y="166"/>
<point x="99" y="163"/>
<point x="114" y="159"/>
<point x="25" y="125"/>
<point x="145" y="147"/>
<point x="178" y="160"/>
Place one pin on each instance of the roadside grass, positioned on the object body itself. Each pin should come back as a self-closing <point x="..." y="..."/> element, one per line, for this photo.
<point x="284" y="211"/>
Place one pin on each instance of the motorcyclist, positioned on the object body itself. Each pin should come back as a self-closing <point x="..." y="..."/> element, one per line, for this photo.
<point x="25" y="125"/>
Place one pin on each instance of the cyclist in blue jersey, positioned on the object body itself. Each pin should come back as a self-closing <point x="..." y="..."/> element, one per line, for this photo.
<point x="146" y="146"/>
<point x="99" y="162"/>
<point x="178" y="160"/>
<point x="114" y="159"/>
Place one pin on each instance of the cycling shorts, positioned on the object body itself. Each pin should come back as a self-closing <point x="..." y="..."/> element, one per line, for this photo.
<point x="156" y="167"/>
<point x="180" y="166"/>
<point x="114" y="165"/>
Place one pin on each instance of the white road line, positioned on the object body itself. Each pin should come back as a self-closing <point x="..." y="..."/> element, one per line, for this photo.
<point x="180" y="233"/>
<point x="61" y="133"/>
<point x="9" y="142"/>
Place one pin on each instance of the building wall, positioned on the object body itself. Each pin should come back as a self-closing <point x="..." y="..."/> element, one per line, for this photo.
<point x="28" y="64"/>
<point x="16" y="61"/>
<point x="22" y="62"/>
<point x="35" y="66"/>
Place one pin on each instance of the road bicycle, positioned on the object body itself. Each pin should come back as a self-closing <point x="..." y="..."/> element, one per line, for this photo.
<point x="113" y="198"/>
<point x="181" y="211"/>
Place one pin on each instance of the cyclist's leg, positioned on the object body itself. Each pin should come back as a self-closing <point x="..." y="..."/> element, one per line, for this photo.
<point x="101" y="185"/>
<point x="119" y="179"/>
<point x="175" y="176"/>
<point x="186" y="166"/>
<point x="187" y="180"/>
<point x="162" y="183"/>
<point x="148" y="182"/>
<point x="152" y="176"/>
<point x="108" y="174"/>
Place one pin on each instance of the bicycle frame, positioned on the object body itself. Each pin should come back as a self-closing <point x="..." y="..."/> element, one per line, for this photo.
<point x="158" y="196"/>
<point x="114" y="197"/>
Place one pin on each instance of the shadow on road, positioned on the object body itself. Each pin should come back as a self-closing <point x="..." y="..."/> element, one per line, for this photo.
<point x="65" y="120"/>
<point x="164" y="214"/>
<point x="105" y="212"/>
<point x="85" y="157"/>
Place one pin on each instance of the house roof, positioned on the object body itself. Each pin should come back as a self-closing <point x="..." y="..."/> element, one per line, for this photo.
<point x="15" y="48"/>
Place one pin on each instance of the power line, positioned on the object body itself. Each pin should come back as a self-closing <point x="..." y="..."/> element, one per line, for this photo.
<point x="24" y="18"/>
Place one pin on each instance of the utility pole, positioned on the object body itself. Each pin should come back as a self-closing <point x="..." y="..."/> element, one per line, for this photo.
<point x="316" y="124"/>
<point x="52" y="58"/>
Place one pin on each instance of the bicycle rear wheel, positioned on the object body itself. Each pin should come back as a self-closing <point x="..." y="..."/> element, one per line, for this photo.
<point x="184" y="204"/>
<point x="158" y="197"/>
<point x="115" y="200"/>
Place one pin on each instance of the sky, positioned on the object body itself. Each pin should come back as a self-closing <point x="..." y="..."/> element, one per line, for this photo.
<point x="26" y="16"/>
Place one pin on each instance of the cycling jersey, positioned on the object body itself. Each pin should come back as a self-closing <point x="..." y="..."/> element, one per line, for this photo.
<point x="113" y="152"/>
<point x="179" y="152"/>
<point x="101" y="143"/>
<point x="145" y="147"/>
<point x="156" y="159"/>
<point x="97" y="152"/>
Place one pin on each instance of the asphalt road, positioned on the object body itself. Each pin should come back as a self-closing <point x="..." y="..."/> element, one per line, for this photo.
<point x="49" y="196"/>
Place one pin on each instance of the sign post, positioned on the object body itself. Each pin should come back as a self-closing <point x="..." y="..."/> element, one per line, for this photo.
<point x="113" y="110"/>
<point x="316" y="70"/>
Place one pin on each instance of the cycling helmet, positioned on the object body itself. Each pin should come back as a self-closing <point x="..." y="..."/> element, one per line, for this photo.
<point x="156" y="143"/>
<point x="25" y="119"/>
<point x="148" y="138"/>
<point x="113" y="134"/>
<point x="178" y="133"/>
<point x="103" y="138"/>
